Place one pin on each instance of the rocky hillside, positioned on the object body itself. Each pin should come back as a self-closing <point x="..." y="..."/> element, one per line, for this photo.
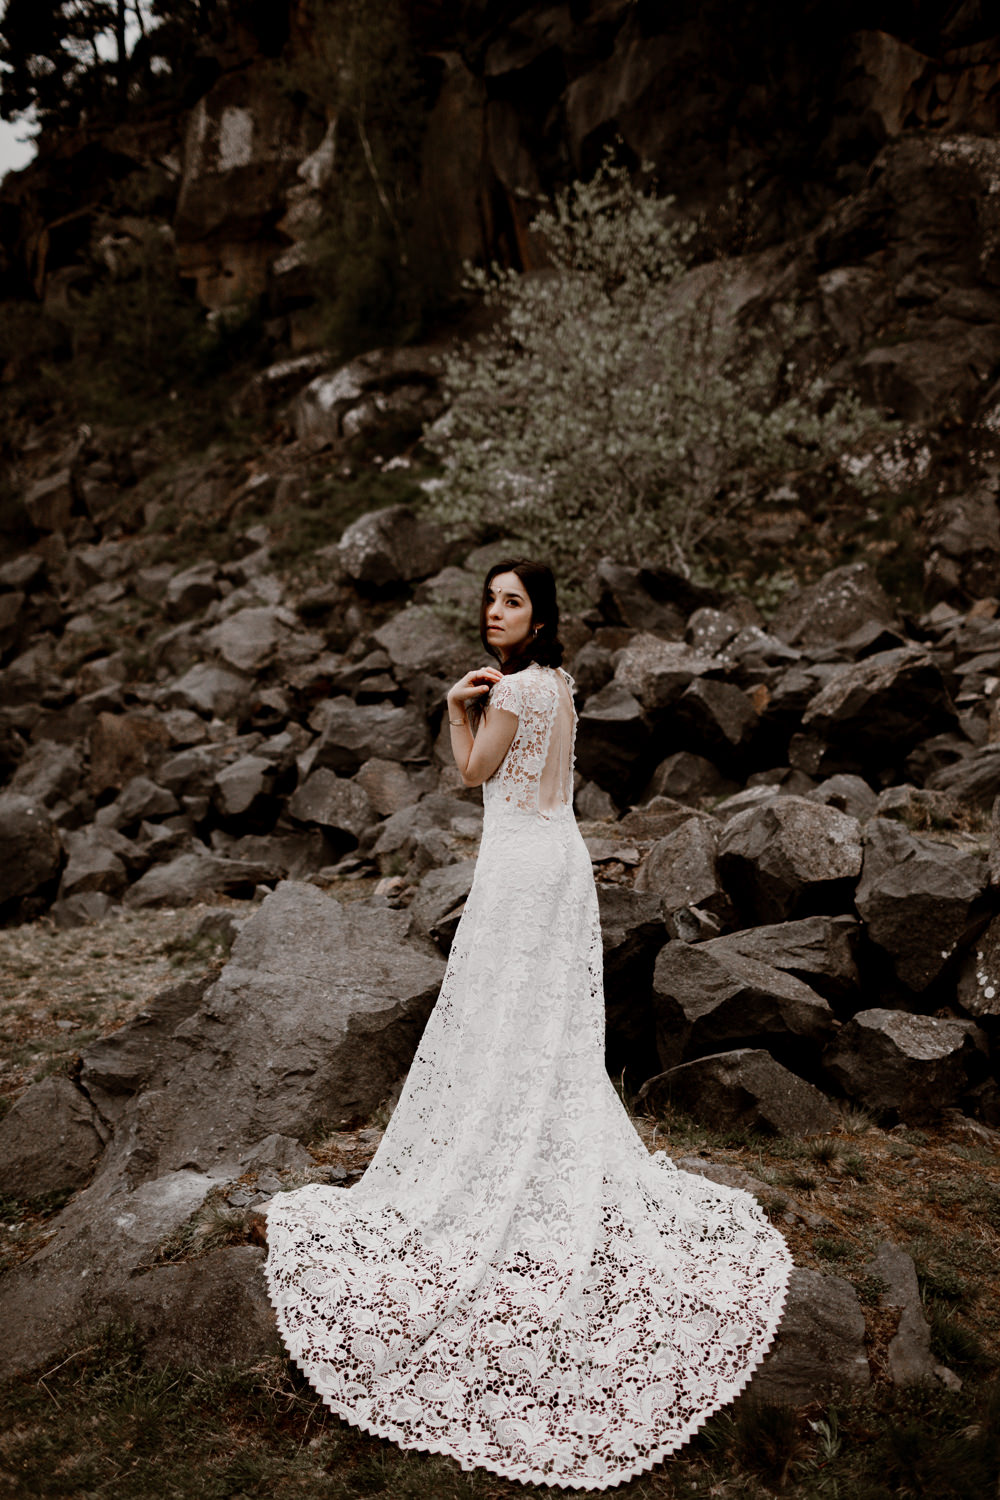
<point x="223" y="669"/>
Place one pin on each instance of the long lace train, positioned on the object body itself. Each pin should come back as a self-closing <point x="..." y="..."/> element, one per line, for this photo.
<point x="516" y="1281"/>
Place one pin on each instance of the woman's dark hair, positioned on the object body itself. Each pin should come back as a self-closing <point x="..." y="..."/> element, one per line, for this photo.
<point x="543" y="645"/>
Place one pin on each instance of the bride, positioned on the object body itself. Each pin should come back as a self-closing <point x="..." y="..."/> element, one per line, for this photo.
<point x="516" y="1281"/>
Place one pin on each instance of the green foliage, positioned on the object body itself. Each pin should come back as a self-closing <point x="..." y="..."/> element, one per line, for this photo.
<point x="361" y="75"/>
<point x="615" y="408"/>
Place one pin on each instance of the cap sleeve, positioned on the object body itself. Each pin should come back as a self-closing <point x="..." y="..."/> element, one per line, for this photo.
<point x="506" y="694"/>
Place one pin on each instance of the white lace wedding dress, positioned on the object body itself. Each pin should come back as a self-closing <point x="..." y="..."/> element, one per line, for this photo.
<point x="515" y="1281"/>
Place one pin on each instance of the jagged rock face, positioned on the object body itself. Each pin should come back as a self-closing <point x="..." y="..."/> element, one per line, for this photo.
<point x="243" y="146"/>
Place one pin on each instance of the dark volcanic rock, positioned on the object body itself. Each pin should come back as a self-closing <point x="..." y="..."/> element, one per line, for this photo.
<point x="817" y="950"/>
<point x="352" y="733"/>
<point x="30" y="847"/>
<point x="717" y="718"/>
<point x="646" y="599"/>
<point x="50" y="1141"/>
<point x="688" y="778"/>
<point x="657" y="672"/>
<point x="909" y="1354"/>
<point x="833" y="608"/>
<point x="820" y="1347"/>
<point x="105" y="1235"/>
<point x="120" y="1065"/>
<point x="96" y="862"/>
<point x="632" y="933"/>
<point x="745" y="1089"/>
<point x="418" y="640"/>
<point x="715" y="1002"/>
<point x="918" y="898"/>
<point x="788" y="856"/>
<point x="848" y="793"/>
<point x="314" y="1018"/>
<point x="333" y="802"/>
<point x="244" y="789"/>
<point x="204" y="1314"/>
<point x="979" y="982"/>
<point x="916" y="1066"/>
<point x="612" y="738"/>
<point x="391" y="546"/>
<point x="193" y="877"/>
<point x="874" y="712"/>
<point x="681" y="869"/>
<point x="975" y="778"/>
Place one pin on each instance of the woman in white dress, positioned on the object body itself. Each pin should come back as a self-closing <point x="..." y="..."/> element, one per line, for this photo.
<point x="516" y="1281"/>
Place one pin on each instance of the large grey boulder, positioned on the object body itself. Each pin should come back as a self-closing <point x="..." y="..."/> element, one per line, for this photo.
<point x="49" y="1141"/>
<point x="833" y="608"/>
<point x="101" y="1239"/>
<point x="681" y="869"/>
<point x="716" y="1002"/>
<point x="48" y="772"/>
<point x="717" y="718"/>
<point x="745" y="1089"/>
<point x="195" y="877"/>
<point x="313" y="1019"/>
<point x="849" y="793"/>
<point x="30" y="847"/>
<point x="201" y="1314"/>
<point x="818" y="950"/>
<point x="918" y="898"/>
<point x="424" y="832"/>
<point x="332" y="802"/>
<point x="646" y="598"/>
<point x="874" y="711"/>
<point x="819" y="1350"/>
<point x="913" y="1066"/>
<point x="389" y="785"/>
<point x="656" y="672"/>
<point x="140" y="799"/>
<point x="391" y="546"/>
<point x="418" y="640"/>
<point x="352" y="733"/>
<point x="789" y="856"/>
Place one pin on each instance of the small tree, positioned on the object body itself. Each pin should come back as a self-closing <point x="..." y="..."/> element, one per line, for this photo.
<point x="614" y="408"/>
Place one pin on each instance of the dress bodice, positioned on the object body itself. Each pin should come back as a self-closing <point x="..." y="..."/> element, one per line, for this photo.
<point x="536" y="774"/>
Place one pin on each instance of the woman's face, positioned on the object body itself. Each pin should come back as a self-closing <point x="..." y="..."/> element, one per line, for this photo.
<point x="508" y="614"/>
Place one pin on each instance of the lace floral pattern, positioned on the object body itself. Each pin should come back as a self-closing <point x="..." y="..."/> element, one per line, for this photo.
<point x="515" y="1281"/>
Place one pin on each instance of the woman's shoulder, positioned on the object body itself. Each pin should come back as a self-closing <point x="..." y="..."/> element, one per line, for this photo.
<point x="533" y="686"/>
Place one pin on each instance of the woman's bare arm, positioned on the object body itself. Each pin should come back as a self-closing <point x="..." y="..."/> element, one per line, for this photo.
<point x="478" y="756"/>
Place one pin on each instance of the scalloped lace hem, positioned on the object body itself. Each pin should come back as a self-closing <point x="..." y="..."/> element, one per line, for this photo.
<point x="468" y="1460"/>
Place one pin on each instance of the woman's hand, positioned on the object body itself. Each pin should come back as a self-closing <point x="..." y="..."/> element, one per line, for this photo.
<point x="473" y="685"/>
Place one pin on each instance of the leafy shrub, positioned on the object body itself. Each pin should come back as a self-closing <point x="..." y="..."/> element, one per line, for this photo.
<point x="613" y="409"/>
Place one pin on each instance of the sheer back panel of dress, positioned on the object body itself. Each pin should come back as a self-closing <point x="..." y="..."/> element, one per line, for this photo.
<point x="537" y="773"/>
